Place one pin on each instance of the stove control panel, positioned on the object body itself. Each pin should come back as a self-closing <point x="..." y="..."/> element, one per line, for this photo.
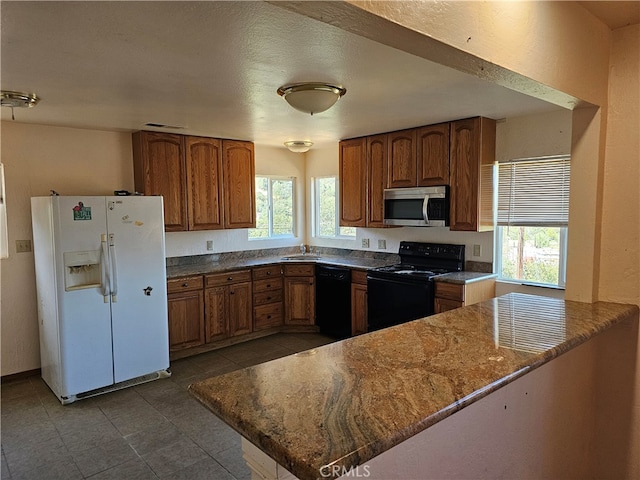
<point x="432" y="250"/>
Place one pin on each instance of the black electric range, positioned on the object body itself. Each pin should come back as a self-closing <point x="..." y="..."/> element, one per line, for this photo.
<point x="403" y="292"/>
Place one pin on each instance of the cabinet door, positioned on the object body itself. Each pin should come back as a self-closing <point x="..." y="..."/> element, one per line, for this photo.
<point x="204" y="183"/>
<point x="240" y="309"/>
<point x="353" y="184"/>
<point x="433" y="155"/>
<point x="401" y="158"/>
<point x="444" y="304"/>
<point x="358" y="309"/>
<point x="217" y="311"/>
<point x="186" y="320"/>
<point x="159" y="169"/>
<point x="300" y="301"/>
<point x="377" y="179"/>
<point x="472" y="174"/>
<point x="239" y="184"/>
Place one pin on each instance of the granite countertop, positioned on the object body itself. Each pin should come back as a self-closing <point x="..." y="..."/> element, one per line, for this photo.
<point x="464" y="277"/>
<point x="240" y="264"/>
<point x="348" y="401"/>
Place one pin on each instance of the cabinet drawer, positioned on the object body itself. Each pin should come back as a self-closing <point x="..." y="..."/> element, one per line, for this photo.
<point x="267" y="285"/>
<point x="451" y="291"/>
<point x="218" y="279"/>
<point x="267" y="297"/>
<point x="299" y="270"/>
<point x="184" y="284"/>
<point x="267" y="272"/>
<point x="267" y="316"/>
<point x="359" y="276"/>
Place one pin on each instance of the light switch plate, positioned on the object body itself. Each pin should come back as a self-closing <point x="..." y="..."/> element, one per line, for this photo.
<point x="382" y="244"/>
<point x="477" y="251"/>
<point x="23" y="246"/>
<point x="365" y="243"/>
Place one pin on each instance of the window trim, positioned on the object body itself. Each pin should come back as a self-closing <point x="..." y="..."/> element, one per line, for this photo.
<point x="271" y="179"/>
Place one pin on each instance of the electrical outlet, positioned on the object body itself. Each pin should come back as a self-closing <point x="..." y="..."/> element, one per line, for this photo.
<point x="365" y="243"/>
<point x="477" y="251"/>
<point x="23" y="246"/>
<point x="209" y="245"/>
<point x="382" y="244"/>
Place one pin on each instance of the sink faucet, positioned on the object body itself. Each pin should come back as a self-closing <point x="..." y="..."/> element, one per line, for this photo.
<point x="303" y="249"/>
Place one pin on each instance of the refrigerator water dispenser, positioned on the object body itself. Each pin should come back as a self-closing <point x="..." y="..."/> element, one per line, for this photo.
<point x="82" y="270"/>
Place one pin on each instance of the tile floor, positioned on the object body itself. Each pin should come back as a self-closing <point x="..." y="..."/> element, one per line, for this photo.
<point x="155" y="430"/>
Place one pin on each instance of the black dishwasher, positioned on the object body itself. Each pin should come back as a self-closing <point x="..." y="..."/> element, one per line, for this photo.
<point x="333" y="301"/>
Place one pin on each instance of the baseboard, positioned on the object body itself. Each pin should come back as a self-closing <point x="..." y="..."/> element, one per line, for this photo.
<point x="18" y="377"/>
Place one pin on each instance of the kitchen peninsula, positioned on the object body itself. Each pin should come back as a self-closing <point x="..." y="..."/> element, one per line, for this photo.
<point x="326" y="411"/>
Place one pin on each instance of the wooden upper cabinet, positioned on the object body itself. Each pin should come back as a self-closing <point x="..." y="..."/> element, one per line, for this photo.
<point x="353" y="183"/>
<point x="204" y="183"/>
<point x="377" y="179"/>
<point x="238" y="166"/>
<point x="433" y="155"/>
<point x="401" y="158"/>
<point x="159" y="169"/>
<point x="472" y="143"/>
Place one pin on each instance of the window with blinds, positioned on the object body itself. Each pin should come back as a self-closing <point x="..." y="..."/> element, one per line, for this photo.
<point x="534" y="191"/>
<point x="532" y="218"/>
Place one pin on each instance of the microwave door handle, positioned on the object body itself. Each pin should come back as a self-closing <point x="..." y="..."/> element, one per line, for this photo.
<point x="425" y="209"/>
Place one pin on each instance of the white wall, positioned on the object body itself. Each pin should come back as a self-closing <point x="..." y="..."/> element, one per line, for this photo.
<point x="38" y="159"/>
<point x="619" y="262"/>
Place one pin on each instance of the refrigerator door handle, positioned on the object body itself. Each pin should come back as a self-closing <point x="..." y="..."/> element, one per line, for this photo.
<point x="114" y="269"/>
<point x="104" y="274"/>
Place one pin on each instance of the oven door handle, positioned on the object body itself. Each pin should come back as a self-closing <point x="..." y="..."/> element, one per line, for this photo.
<point x="425" y="209"/>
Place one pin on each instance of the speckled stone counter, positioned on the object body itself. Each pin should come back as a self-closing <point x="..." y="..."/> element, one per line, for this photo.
<point x="349" y="401"/>
<point x="463" y="278"/>
<point x="220" y="266"/>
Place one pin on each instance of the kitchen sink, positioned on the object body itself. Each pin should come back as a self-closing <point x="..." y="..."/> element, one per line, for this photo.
<point x="302" y="256"/>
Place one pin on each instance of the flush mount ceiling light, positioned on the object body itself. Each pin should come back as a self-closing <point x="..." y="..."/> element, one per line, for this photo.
<point x="311" y="97"/>
<point x="18" y="99"/>
<point x="299" y="146"/>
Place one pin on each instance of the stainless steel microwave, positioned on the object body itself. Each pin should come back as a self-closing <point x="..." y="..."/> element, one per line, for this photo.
<point x="417" y="207"/>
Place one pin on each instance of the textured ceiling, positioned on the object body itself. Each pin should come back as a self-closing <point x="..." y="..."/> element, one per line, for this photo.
<point x="214" y="67"/>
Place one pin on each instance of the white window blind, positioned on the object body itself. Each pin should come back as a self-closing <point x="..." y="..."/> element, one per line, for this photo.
<point x="534" y="191"/>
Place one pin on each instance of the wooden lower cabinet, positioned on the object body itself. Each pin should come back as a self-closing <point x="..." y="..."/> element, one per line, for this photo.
<point x="300" y="294"/>
<point x="186" y="313"/>
<point x="358" y="302"/>
<point x="228" y="305"/>
<point x="453" y="295"/>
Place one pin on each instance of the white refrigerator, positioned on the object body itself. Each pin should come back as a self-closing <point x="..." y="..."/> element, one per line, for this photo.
<point x="101" y="289"/>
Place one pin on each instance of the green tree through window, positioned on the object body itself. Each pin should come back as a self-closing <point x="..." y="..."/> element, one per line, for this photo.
<point x="326" y="210"/>
<point x="274" y="208"/>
